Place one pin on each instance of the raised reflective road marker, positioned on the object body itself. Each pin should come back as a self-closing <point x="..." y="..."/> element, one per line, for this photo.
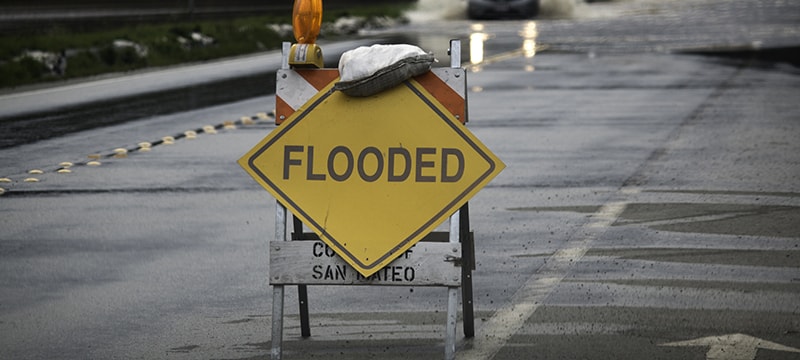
<point x="372" y="176"/>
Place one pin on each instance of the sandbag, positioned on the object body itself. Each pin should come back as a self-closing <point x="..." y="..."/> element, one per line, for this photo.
<point x="366" y="71"/>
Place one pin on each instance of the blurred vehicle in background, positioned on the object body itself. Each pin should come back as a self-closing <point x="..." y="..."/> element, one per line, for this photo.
<point x="493" y="9"/>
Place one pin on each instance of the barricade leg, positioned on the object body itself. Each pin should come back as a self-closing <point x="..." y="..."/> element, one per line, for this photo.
<point x="450" y="328"/>
<point x="305" y="323"/>
<point x="452" y="297"/>
<point x="467" y="266"/>
<point x="277" y="291"/>
<point x="277" y="321"/>
<point x="302" y="290"/>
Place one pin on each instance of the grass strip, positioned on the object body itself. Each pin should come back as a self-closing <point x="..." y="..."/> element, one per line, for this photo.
<point x="27" y="58"/>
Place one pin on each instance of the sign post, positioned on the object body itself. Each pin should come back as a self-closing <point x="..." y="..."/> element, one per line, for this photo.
<point x="372" y="177"/>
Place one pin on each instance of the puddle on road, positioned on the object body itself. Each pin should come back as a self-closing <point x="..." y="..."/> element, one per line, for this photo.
<point x="714" y="218"/>
<point x="768" y="258"/>
<point x="764" y="58"/>
<point x="704" y="218"/>
<point x="729" y="219"/>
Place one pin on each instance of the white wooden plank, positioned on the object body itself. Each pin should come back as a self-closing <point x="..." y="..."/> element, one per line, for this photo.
<point x="313" y="263"/>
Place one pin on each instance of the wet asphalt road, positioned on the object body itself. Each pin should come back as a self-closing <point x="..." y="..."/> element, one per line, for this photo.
<point x="649" y="209"/>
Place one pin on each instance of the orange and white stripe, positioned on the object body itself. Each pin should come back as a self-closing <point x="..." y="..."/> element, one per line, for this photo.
<point x="296" y="86"/>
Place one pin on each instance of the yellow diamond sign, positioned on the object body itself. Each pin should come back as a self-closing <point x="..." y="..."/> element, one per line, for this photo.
<point x="372" y="176"/>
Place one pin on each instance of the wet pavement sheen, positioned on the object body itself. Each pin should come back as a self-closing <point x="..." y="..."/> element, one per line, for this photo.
<point x="650" y="203"/>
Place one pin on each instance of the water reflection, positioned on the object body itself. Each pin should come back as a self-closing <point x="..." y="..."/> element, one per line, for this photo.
<point x="478" y="38"/>
<point x="529" y="34"/>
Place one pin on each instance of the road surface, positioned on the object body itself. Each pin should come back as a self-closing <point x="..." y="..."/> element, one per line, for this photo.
<point x="649" y="209"/>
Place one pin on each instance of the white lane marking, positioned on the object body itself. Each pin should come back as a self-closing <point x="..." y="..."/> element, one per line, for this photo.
<point x="733" y="346"/>
<point x="508" y="320"/>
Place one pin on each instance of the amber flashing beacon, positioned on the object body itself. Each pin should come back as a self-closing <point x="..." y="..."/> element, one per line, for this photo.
<point x="306" y="22"/>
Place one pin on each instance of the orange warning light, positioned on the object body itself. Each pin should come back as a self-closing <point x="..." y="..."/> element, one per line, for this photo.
<point x="307" y="20"/>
